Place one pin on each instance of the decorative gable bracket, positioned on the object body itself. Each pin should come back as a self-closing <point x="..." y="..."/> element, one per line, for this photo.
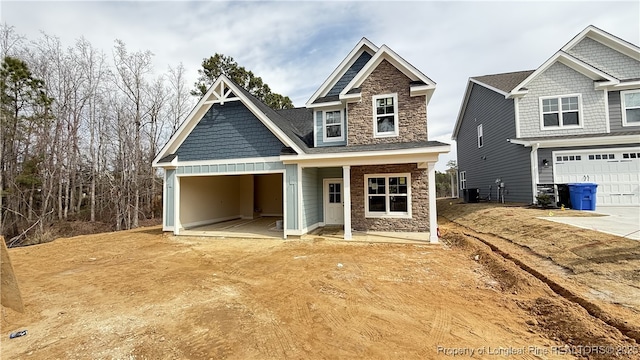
<point x="220" y="93"/>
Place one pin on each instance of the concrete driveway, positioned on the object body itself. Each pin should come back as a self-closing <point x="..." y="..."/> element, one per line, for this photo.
<point x="620" y="220"/>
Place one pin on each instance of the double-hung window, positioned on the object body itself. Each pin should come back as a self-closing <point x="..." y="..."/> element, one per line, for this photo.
<point x="385" y="115"/>
<point x="388" y="195"/>
<point x="480" y="136"/>
<point x="630" y="107"/>
<point x="333" y="125"/>
<point x="560" y="112"/>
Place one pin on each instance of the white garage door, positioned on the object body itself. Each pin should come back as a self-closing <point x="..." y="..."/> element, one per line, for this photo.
<point x="616" y="171"/>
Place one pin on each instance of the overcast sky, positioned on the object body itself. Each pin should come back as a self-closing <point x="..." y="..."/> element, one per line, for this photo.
<point x="294" y="46"/>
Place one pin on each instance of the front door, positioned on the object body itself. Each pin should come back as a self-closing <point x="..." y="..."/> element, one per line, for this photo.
<point x="333" y="208"/>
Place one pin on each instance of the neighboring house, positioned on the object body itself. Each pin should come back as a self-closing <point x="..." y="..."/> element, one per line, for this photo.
<point x="357" y="155"/>
<point x="574" y="119"/>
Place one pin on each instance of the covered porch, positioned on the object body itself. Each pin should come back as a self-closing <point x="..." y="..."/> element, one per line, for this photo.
<point x="336" y="193"/>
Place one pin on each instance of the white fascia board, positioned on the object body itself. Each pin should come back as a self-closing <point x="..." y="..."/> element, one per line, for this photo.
<point x="419" y="90"/>
<point x="503" y="93"/>
<point x="584" y="68"/>
<point x="463" y="107"/>
<point x="385" y="53"/>
<point x="567" y="60"/>
<point x="372" y="160"/>
<point x="228" y="161"/>
<point x="324" y="104"/>
<point x="167" y="166"/>
<point x="434" y="150"/>
<point x="606" y="39"/>
<point x="594" y="141"/>
<point x="351" y="97"/>
<point x="185" y="128"/>
<point x="353" y="55"/>
<point x="630" y="85"/>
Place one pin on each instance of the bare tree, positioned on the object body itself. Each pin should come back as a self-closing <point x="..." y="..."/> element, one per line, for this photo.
<point x="179" y="99"/>
<point x="131" y="72"/>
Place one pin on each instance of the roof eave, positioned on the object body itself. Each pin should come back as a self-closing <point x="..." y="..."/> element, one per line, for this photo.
<point x="589" y="141"/>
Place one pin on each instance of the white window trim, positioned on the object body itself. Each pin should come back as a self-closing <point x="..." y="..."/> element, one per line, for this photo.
<point x="624" y="109"/>
<point x="388" y="214"/>
<point x="395" y="132"/>
<point x="560" y="126"/>
<point x="463" y="180"/>
<point x="480" y="137"/>
<point x="324" y="126"/>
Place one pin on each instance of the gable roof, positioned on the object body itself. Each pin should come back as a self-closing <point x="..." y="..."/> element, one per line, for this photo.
<point x="420" y="80"/>
<point x="603" y="37"/>
<point x="570" y="61"/>
<point x="364" y="45"/>
<point x="365" y="57"/>
<point x="592" y="72"/>
<point x="513" y="84"/>
<point x="224" y="89"/>
<point x="500" y="83"/>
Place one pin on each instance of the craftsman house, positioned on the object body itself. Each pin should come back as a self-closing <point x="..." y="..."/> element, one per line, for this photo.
<point x="574" y="119"/>
<point x="357" y="155"/>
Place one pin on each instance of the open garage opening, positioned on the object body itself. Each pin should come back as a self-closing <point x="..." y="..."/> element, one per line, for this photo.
<point x="248" y="205"/>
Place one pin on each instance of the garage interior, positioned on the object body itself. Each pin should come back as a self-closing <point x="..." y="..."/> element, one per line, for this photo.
<point x="236" y="204"/>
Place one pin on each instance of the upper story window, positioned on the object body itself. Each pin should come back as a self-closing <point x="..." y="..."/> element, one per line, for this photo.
<point x="385" y="115"/>
<point x="388" y="195"/>
<point x="561" y="112"/>
<point x="480" y="136"/>
<point x="333" y="126"/>
<point x="630" y="107"/>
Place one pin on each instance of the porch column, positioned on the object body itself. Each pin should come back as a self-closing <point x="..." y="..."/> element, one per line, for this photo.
<point x="433" y="215"/>
<point x="534" y="172"/>
<point x="176" y="206"/>
<point x="346" y="184"/>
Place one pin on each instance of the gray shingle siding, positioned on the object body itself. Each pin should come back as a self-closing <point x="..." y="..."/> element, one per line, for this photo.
<point x="606" y="59"/>
<point x="497" y="158"/>
<point x="559" y="80"/>
<point x="229" y="131"/>
<point x="615" y="112"/>
<point x="350" y="74"/>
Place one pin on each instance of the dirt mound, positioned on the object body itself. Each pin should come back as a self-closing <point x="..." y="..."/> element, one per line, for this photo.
<point x="557" y="317"/>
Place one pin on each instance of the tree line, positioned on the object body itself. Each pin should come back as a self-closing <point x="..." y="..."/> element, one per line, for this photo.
<point x="79" y="129"/>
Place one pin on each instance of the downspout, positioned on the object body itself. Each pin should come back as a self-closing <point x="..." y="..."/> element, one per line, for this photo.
<point x="534" y="171"/>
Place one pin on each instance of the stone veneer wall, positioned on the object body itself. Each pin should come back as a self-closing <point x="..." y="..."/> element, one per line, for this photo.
<point x="419" y="221"/>
<point x="412" y="111"/>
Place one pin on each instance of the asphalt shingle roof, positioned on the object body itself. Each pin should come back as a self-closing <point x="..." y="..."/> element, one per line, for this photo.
<point x="302" y="121"/>
<point x="505" y="81"/>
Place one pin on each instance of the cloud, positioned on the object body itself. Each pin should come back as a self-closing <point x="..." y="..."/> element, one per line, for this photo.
<point x="294" y="46"/>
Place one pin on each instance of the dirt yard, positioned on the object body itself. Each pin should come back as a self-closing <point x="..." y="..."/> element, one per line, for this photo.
<point x="601" y="270"/>
<point x="145" y="295"/>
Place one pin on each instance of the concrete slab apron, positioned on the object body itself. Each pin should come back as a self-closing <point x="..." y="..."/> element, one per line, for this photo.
<point x="619" y="220"/>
